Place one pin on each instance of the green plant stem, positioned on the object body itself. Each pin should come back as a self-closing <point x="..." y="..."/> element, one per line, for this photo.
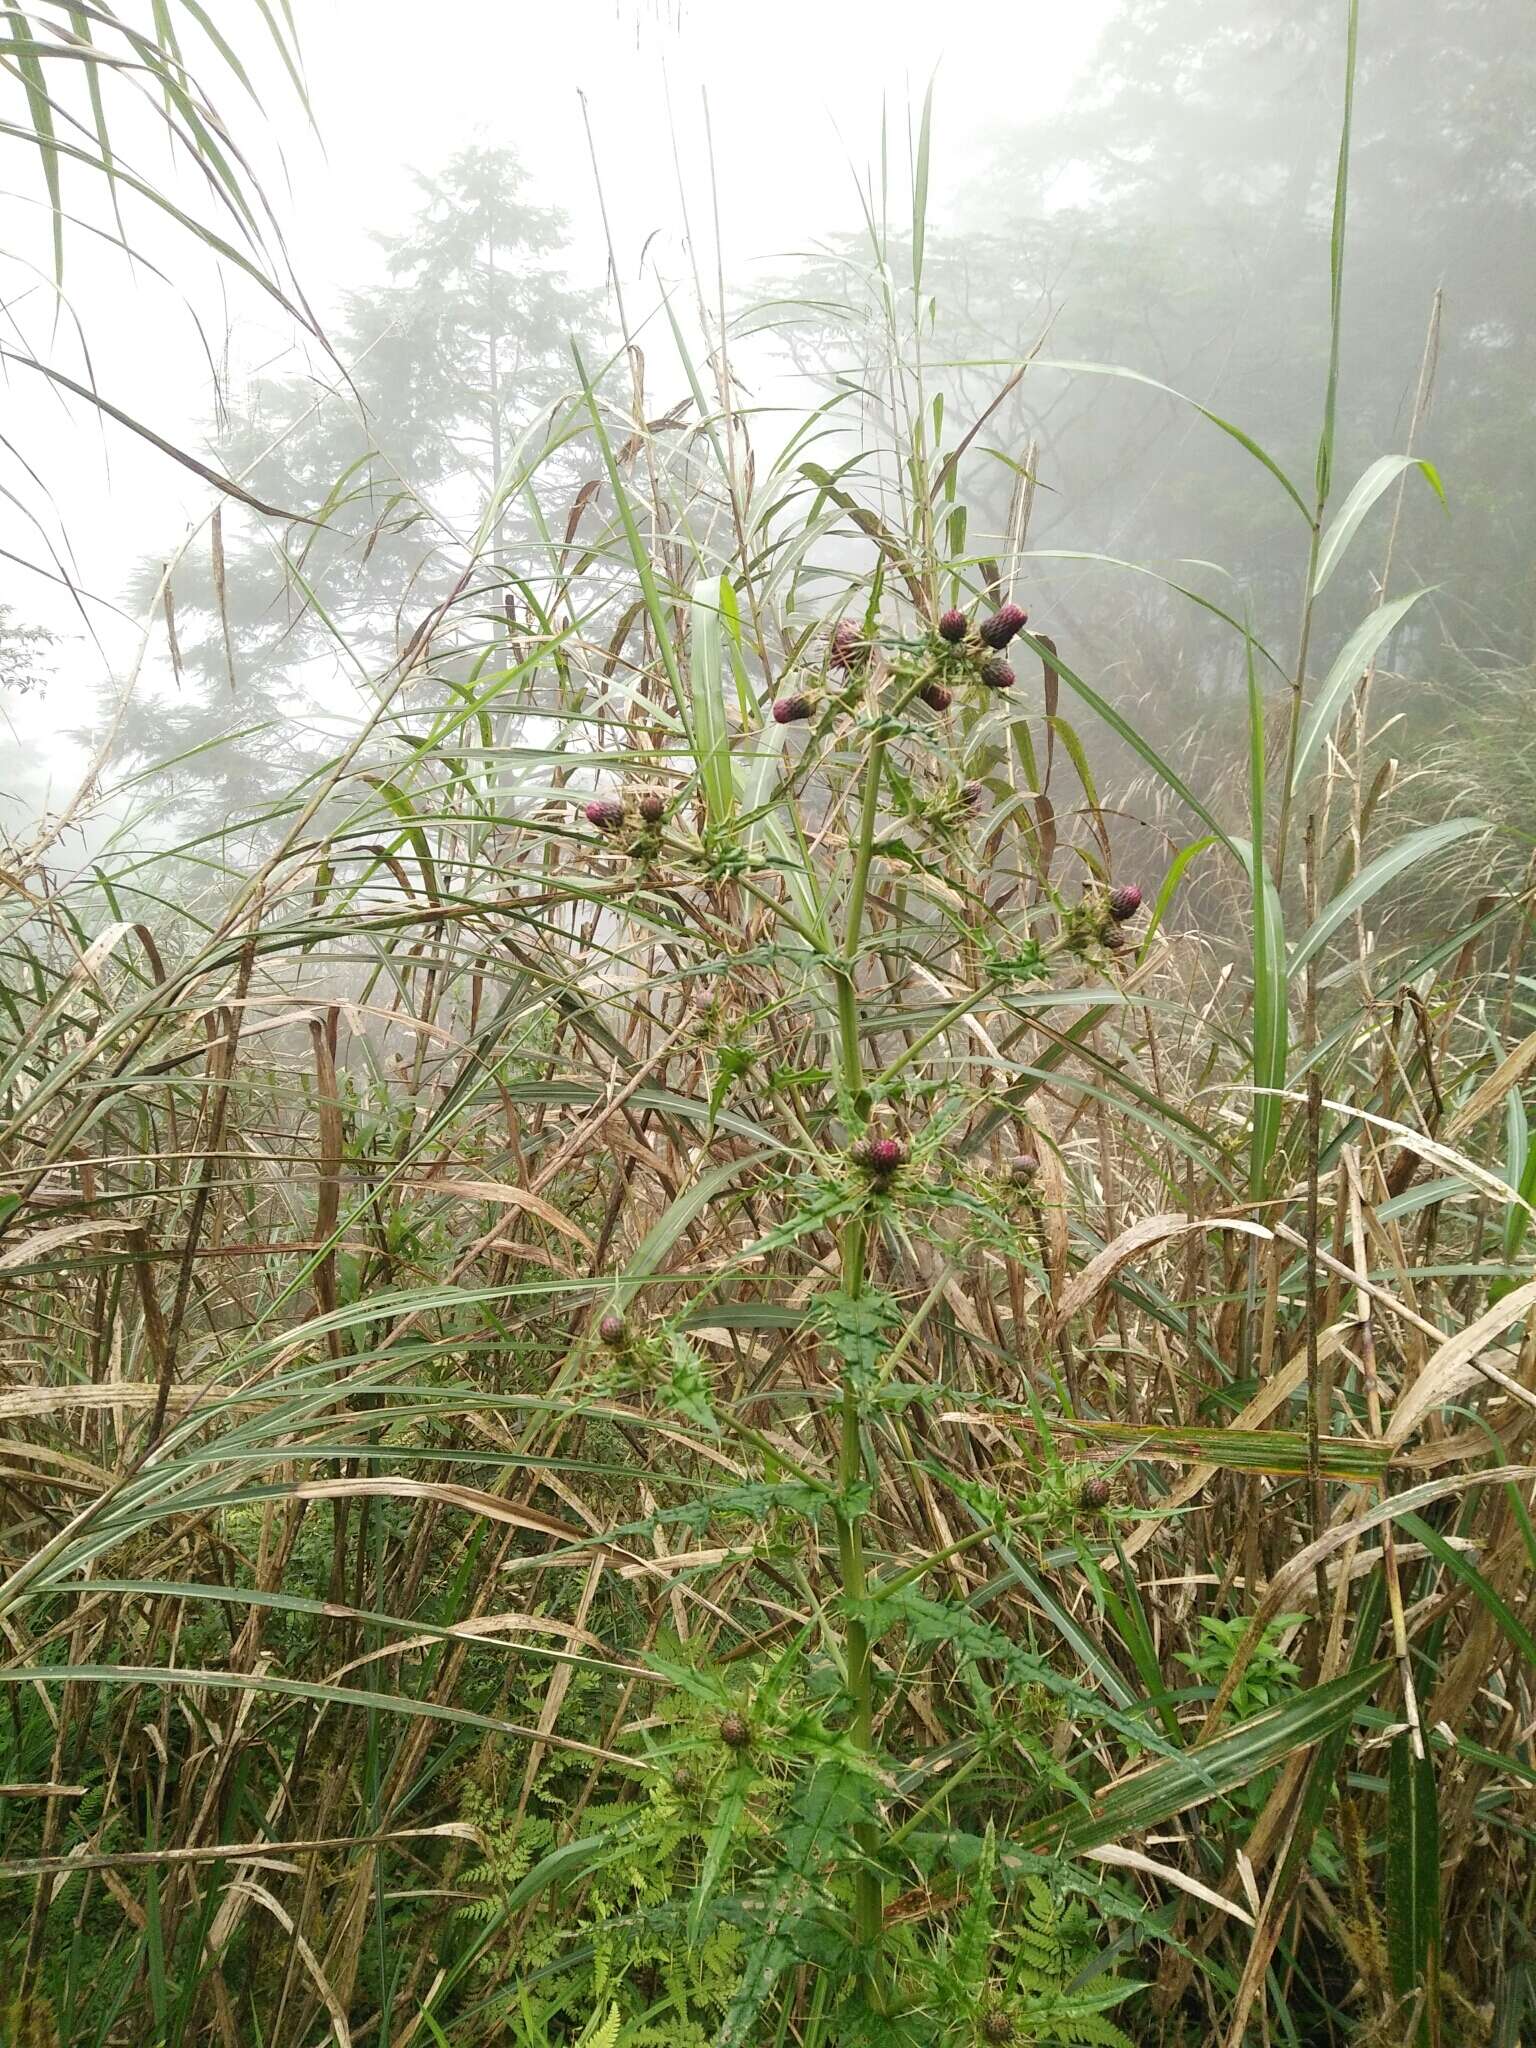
<point x="947" y="1786"/>
<point x="858" y="887"/>
<point x="961" y="1008"/>
<point x="868" y="1895"/>
<point x="1298" y="693"/>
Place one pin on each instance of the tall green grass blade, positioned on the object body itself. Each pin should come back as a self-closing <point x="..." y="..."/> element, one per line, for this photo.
<point x="1336" y="246"/>
<point x="1143" y="748"/>
<point x="920" y="189"/>
<point x="1271" y="993"/>
<point x="711" y="738"/>
<point x="1413" y="1880"/>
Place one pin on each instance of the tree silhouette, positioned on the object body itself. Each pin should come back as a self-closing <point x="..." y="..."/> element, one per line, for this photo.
<point x="451" y="360"/>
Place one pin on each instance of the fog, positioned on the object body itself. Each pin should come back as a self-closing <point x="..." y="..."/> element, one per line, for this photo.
<point x="1145" y="186"/>
<point x="790" y="131"/>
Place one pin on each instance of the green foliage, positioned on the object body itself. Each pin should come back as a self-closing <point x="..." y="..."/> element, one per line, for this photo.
<point x="623" y="1952"/>
<point x="858" y="1332"/>
<point x="1268" y="1675"/>
<point x="1022" y="1965"/>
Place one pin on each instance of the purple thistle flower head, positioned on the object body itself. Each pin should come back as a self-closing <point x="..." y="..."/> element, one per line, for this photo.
<point x="881" y="1156"/>
<point x="996" y="673"/>
<point x="936" y="697"/>
<point x="652" y="806"/>
<point x="954" y="626"/>
<point x="1124" y="902"/>
<point x="790" y="710"/>
<point x="847" y="648"/>
<point x="1003" y="624"/>
<point x="605" y="812"/>
<point x="735" y="1731"/>
<point x="1095" y="1493"/>
<point x="611" y="1329"/>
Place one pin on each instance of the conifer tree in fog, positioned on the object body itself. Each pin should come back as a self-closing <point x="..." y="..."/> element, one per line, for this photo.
<point x="450" y="360"/>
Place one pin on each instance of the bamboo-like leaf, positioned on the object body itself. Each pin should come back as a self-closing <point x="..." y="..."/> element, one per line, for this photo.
<point x="1133" y="739"/>
<point x="1462" y="1567"/>
<point x="1336" y="247"/>
<point x="1243" y="440"/>
<point x="1142" y="569"/>
<point x="225" y="484"/>
<point x="639" y="556"/>
<point x="646" y="1265"/>
<point x="706" y="684"/>
<point x="1520" y="1171"/>
<point x="1374" y="877"/>
<point x="1413" y="1878"/>
<point x="1174" y="1785"/>
<point x="1376" y="479"/>
<point x="1279" y="1451"/>
<point x="40" y="108"/>
<point x="920" y="189"/>
<point x="1131" y="1243"/>
<point x="1354" y="658"/>
<point x="271" y="1685"/>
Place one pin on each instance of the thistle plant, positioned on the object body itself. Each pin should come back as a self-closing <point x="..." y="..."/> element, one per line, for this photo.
<point x="674" y="1381"/>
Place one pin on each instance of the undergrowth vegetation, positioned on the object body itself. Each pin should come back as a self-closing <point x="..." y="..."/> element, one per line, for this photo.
<point x="679" y="1371"/>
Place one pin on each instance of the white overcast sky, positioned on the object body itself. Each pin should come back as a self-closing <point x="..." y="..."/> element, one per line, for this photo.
<point x="795" y="95"/>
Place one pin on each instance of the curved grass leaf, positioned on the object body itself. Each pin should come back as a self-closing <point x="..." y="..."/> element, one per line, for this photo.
<point x="1354" y="658"/>
<point x="1375" y="876"/>
<point x="706" y="688"/>
<point x="1174" y="1785"/>
<point x="1381" y="473"/>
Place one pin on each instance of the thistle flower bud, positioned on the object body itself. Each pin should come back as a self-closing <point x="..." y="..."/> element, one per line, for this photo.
<point x="734" y="1732"/>
<point x="652" y="806"/>
<point x="605" y="812"/>
<point x="936" y="697"/>
<point x="1001" y="627"/>
<point x="971" y="794"/>
<point x="1095" y="1493"/>
<point x="847" y="648"/>
<point x="611" y="1330"/>
<point x="880" y="1156"/>
<point x="996" y="673"/>
<point x="996" y="2026"/>
<point x="1124" y="902"/>
<point x="1022" y="1168"/>
<point x="790" y="710"/>
<point x="953" y="626"/>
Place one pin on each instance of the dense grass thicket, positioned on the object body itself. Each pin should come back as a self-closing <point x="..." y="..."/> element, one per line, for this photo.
<point x="679" y="1364"/>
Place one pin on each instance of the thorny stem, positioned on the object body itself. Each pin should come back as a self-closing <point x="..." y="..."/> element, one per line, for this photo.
<point x="868" y="1895"/>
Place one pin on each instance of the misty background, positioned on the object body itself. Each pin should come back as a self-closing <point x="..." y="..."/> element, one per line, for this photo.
<point x="1146" y="185"/>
